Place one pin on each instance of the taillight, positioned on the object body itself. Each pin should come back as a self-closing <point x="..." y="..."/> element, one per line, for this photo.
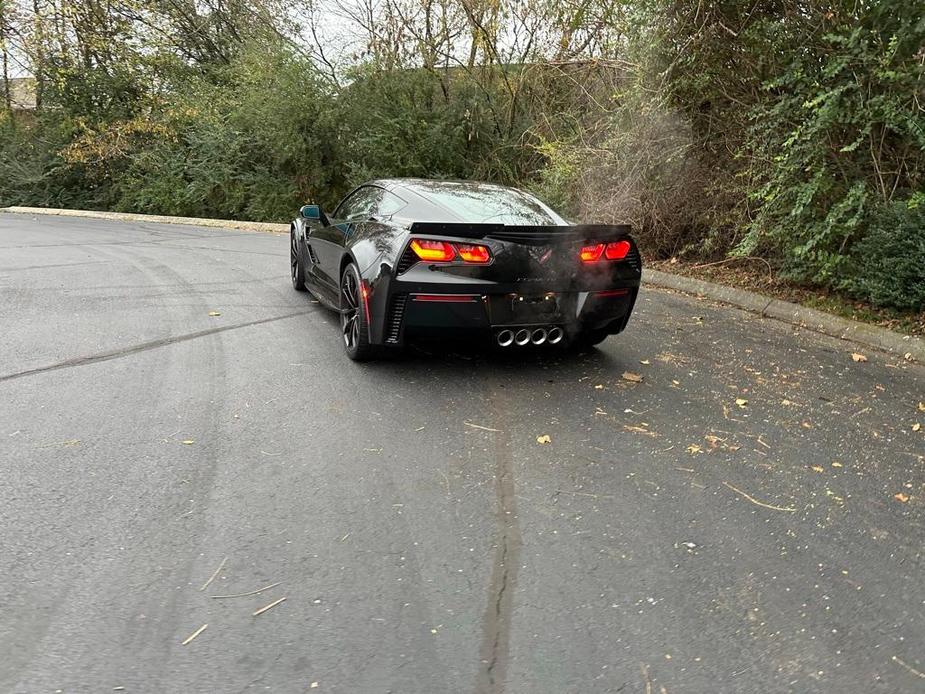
<point x="473" y="254"/>
<point x="617" y="250"/>
<point x="433" y="251"/>
<point x="444" y="252"/>
<point x="590" y="254"/>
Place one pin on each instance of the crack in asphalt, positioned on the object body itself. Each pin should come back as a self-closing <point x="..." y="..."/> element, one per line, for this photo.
<point x="496" y="622"/>
<point x="146" y="346"/>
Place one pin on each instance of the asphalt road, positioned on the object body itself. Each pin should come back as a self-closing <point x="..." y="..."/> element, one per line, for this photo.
<point x="668" y="539"/>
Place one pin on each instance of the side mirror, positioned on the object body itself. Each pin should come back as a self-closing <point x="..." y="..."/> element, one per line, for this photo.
<point x="312" y="213"/>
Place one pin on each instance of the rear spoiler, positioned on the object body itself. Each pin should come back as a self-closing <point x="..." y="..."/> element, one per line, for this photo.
<point x="523" y="234"/>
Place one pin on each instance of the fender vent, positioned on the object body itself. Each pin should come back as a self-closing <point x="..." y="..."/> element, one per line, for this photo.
<point x="394" y="318"/>
<point x="311" y="254"/>
<point x="408" y="258"/>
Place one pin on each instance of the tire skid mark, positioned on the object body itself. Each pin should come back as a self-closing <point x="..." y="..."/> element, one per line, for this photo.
<point x="145" y="346"/>
<point x="496" y="621"/>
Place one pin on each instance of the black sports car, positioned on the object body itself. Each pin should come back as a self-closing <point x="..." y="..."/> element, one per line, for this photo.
<point x="401" y="258"/>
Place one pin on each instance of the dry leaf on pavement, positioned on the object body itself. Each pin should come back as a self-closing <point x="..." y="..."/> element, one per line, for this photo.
<point x="630" y="376"/>
<point x="858" y="357"/>
<point x="916" y="426"/>
<point x="215" y="313"/>
<point x="188" y="442"/>
<point x="899" y="496"/>
<point x="545" y="438"/>
<point x="741" y="402"/>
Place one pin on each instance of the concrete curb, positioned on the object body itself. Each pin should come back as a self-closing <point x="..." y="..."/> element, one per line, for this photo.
<point x="819" y="321"/>
<point x="825" y="323"/>
<point x="153" y="218"/>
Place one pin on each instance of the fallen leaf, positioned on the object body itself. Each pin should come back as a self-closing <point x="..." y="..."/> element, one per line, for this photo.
<point x="858" y="357"/>
<point x="916" y="426"/>
<point x="630" y="376"/>
<point x="741" y="402"/>
<point x="922" y="407"/>
<point x="644" y="362"/>
<point x="899" y="496"/>
<point x="786" y="403"/>
<point x="599" y="387"/>
<point x="835" y="463"/>
<point x="313" y="685"/>
<point x="818" y="468"/>
<point x="908" y="356"/>
<point x="188" y="442"/>
<point x="693" y="449"/>
<point x="214" y="313"/>
<point x="545" y="438"/>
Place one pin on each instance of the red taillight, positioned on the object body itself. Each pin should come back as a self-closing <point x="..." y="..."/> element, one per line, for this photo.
<point x="445" y="252"/>
<point x="473" y="254"/>
<point x="590" y="254"/>
<point x="617" y="250"/>
<point x="433" y="251"/>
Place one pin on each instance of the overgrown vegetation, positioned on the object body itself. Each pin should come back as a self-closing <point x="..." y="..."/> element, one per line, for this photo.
<point x="791" y="130"/>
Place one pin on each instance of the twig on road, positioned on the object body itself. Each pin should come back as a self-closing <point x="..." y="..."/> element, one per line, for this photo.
<point x="588" y="494"/>
<point x="788" y="509"/>
<point x="212" y="577"/>
<point x="243" y="595"/>
<point x="479" y="426"/>
<point x="911" y="669"/>
<point x="194" y="634"/>
<point x="267" y="607"/>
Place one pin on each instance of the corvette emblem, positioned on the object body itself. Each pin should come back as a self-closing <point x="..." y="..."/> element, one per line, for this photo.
<point x="541" y="254"/>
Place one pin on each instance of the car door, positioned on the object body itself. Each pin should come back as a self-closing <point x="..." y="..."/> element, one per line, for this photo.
<point x="328" y="242"/>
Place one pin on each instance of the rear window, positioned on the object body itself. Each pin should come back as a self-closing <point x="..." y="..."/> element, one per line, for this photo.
<point x="482" y="203"/>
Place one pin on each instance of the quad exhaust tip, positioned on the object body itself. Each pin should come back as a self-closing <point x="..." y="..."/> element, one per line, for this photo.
<point x="521" y="337"/>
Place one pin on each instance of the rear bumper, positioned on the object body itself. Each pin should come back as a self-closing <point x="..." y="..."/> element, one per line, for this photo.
<point x="403" y="308"/>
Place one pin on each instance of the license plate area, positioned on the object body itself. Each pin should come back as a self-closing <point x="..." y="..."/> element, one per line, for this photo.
<point x="522" y="309"/>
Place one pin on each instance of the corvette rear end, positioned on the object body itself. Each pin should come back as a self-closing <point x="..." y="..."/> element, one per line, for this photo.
<point x="401" y="259"/>
<point x="516" y="285"/>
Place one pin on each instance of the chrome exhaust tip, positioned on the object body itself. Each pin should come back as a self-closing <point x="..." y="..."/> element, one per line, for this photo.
<point x="555" y="335"/>
<point x="538" y="336"/>
<point x="505" y="338"/>
<point x="522" y="337"/>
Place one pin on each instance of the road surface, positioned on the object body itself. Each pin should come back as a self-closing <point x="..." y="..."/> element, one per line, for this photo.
<point x="176" y="424"/>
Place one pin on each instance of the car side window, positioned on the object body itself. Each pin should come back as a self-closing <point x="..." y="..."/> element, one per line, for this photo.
<point x="389" y="204"/>
<point x="359" y="206"/>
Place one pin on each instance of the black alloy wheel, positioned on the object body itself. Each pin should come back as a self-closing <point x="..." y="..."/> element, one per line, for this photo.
<point x="297" y="271"/>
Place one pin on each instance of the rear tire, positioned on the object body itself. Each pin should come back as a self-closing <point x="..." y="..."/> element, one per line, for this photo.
<point x="353" y="323"/>
<point x="295" y="264"/>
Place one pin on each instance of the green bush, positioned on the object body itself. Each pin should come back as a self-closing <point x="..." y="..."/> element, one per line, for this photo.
<point x="887" y="267"/>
